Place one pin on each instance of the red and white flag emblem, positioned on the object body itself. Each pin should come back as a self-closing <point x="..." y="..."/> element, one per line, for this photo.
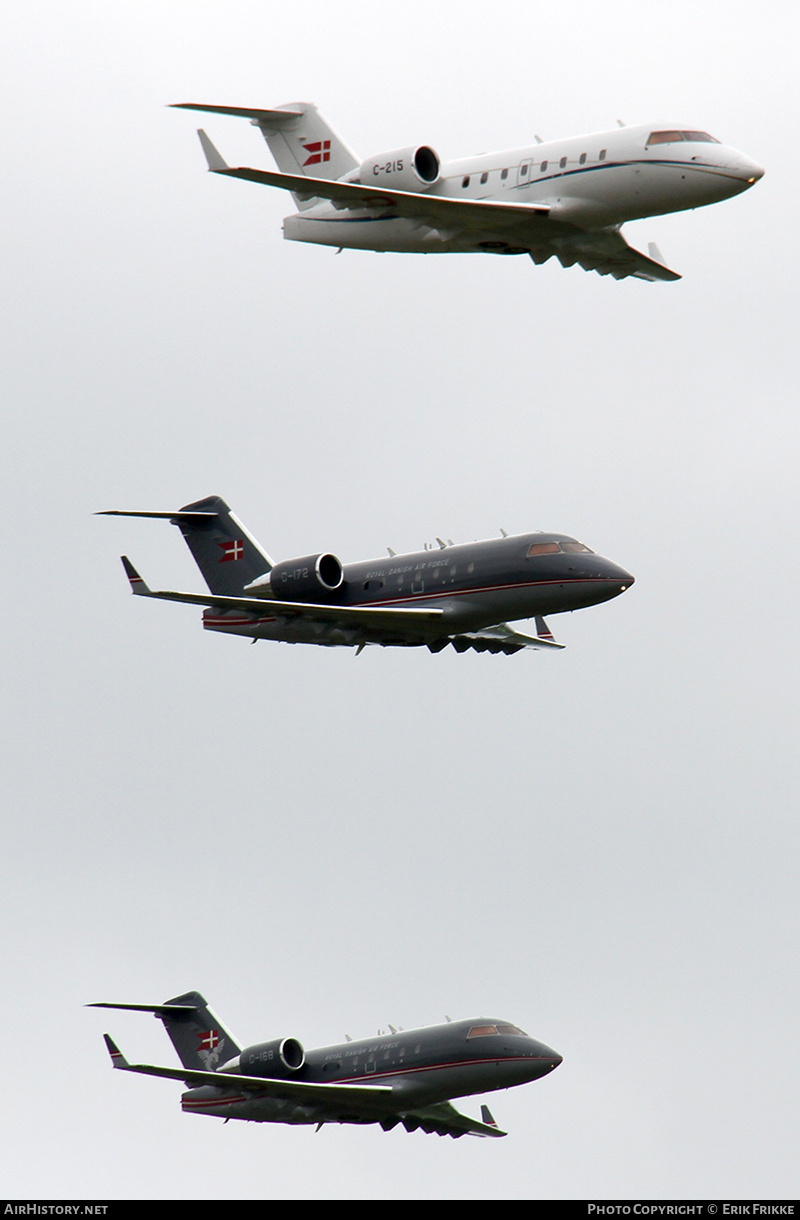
<point x="320" y="151"/>
<point x="232" y="550"/>
<point x="209" y="1040"/>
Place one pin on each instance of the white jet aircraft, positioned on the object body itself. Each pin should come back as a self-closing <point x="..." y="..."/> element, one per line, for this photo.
<point x="567" y="198"/>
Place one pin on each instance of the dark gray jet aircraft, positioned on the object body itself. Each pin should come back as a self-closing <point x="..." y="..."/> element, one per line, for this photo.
<point x="406" y="1076"/>
<point x="460" y="595"/>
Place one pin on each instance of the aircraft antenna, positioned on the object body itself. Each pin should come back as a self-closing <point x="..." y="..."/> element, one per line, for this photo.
<point x="391" y="552"/>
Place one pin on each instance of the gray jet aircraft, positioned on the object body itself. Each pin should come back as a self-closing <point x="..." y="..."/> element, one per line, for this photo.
<point x="450" y="594"/>
<point x="405" y="1076"/>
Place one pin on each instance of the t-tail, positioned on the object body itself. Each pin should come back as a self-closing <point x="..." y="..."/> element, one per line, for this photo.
<point x="201" y="1040"/>
<point x="300" y="140"/>
<point x="224" y="551"/>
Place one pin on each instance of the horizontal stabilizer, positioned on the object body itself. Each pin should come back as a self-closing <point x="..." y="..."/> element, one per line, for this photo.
<point x="273" y="117"/>
<point x="158" y="1009"/>
<point x="178" y="515"/>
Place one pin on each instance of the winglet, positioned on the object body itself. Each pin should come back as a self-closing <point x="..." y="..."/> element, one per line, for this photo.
<point x="213" y="157"/>
<point x="486" y="1116"/>
<point x="137" y="584"/>
<point x="543" y="631"/>
<point x="118" y="1060"/>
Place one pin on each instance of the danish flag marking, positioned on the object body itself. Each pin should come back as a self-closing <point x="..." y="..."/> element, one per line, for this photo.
<point x="209" y="1040"/>
<point x="320" y="151"/>
<point x="232" y="550"/>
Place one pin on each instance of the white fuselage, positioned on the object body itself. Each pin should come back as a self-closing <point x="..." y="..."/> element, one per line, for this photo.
<point x="592" y="182"/>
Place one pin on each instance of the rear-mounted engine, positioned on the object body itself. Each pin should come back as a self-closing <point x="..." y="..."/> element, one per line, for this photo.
<point x="406" y="169"/>
<point x="276" y="1060"/>
<point x="312" y="576"/>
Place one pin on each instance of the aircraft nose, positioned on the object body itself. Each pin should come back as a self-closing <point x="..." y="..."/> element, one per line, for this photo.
<point x="752" y="172"/>
<point x="748" y="170"/>
<point x="620" y="576"/>
<point x="550" y="1057"/>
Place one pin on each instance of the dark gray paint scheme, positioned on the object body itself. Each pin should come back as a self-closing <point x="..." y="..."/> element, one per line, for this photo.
<point x="405" y="1077"/>
<point x="461" y="595"/>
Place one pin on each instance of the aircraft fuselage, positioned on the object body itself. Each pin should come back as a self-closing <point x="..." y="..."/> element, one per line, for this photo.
<point x="422" y="1067"/>
<point x="475" y="584"/>
<point x="596" y="181"/>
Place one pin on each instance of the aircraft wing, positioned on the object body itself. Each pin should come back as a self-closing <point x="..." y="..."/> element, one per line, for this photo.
<point x="444" y="1119"/>
<point x="270" y="607"/>
<point x="503" y="638"/>
<point x="298" y="1090"/>
<point x="435" y="210"/>
<point x="606" y="253"/>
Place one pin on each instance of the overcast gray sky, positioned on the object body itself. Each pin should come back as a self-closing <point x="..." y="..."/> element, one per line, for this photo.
<point x="599" y="845"/>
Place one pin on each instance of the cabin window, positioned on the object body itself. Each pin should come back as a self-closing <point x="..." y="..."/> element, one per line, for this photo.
<point x="504" y="174"/>
<point x="470" y="568"/>
<point x="523" y="169"/>
<point x="602" y="156"/>
<point x="484" y="177"/>
<point x="465" y="181"/>
<point x="563" y="162"/>
<point x="582" y="158"/>
<point x="543" y="167"/>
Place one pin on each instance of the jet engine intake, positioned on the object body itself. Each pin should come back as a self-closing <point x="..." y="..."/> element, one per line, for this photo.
<point x="406" y="169"/>
<point x="307" y="577"/>
<point x="276" y="1060"/>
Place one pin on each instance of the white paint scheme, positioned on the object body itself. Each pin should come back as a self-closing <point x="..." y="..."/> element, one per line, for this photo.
<point x="566" y="197"/>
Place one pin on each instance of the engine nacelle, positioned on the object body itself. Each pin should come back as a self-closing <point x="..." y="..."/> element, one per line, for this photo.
<point x="406" y="169"/>
<point x="276" y="1060"/>
<point x="312" y="576"/>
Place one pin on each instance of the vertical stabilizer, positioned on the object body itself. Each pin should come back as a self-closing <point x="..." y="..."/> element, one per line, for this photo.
<point x="199" y="1037"/>
<point x="224" y="551"/>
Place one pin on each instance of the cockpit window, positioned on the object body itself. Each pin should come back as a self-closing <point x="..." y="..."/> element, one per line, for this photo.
<point x="566" y="546"/>
<point x="488" y="1031"/>
<point x="675" y="137"/>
